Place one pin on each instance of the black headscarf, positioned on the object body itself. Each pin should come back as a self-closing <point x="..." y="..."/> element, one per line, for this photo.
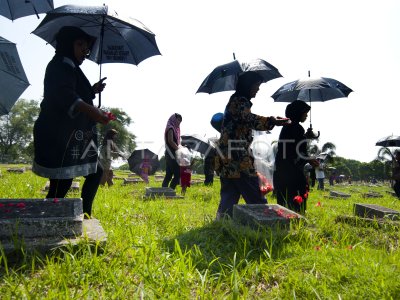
<point x="245" y="81"/>
<point x="66" y="37"/>
<point x="296" y="109"/>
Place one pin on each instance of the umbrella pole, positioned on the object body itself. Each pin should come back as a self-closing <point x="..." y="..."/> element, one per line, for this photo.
<point x="34" y="8"/>
<point x="101" y="52"/>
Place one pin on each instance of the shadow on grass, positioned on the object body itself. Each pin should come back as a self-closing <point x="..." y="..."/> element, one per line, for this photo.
<point x="21" y="260"/>
<point x="223" y="240"/>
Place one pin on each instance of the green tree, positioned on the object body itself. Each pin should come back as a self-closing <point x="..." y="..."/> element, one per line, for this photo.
<point x="125" y="139"/>
<point x="16" y="131"/>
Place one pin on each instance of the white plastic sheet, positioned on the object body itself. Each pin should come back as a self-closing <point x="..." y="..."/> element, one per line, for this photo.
<point x="264" y="151"/>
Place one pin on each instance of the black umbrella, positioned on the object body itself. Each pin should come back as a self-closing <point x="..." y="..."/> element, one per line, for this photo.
<point x="197" y="143"/>
<point x="14" y="9"/>
<point x="224" y="77"/>
<point x="311" y="90"/>
<point x="13" y="81"/>
<point x="118" y="40"/>
<point x="389" y="141"/>
<point x="139" y="156"/>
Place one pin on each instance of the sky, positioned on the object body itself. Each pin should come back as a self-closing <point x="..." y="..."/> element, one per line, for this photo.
<point x="354" y="42"/>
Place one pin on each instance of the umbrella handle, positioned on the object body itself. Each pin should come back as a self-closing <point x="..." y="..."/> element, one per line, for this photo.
<point x="99" y="100"/>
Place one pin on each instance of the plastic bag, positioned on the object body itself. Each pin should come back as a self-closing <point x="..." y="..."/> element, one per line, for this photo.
<point x="264" y="160"/>
<point x="184" y="156"/>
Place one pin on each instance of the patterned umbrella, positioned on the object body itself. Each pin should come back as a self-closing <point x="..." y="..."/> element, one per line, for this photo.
<point x="143" y="155"/>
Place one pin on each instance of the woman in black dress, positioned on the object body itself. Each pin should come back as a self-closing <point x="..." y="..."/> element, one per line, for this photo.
<point x="65" y="134"/>
<point x="289" y="180"/>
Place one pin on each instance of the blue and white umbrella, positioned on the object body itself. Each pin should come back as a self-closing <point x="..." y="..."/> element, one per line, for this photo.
<point x="319" y="89"/>
<point x="311" y="89"/>
<point x="224" y="77"/>
<point x="13" y="80"/>
<point x="118" y="40"/>
<point x="14" y="9"/>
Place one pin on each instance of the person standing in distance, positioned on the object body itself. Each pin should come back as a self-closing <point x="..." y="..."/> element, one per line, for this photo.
<point x="172" y="138"/>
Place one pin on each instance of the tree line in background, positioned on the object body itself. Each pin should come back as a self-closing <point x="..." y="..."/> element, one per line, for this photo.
<point x="16" y="132"/>
<point x="16" y="144"/>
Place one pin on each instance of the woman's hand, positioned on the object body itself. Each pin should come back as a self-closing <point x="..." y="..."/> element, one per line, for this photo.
<point x="277" y="121"/>
<point x="99" y="86"/>
<point x="93" y="113"/>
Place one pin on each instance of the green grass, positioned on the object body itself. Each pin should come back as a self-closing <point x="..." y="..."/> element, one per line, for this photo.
<point x="173" y="249"/>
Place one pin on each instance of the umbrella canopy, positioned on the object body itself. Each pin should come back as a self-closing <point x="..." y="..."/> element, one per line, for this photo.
<point x="311" y="89"/>
<point x="118" y="40"/>
<point x="138" y="156"/>
<point x="13" y="81"/>
<point x="224" y="77"/>
<point x="14" y="9"/>
<point x="389" y="141"/>
<point x="197" y="143"/>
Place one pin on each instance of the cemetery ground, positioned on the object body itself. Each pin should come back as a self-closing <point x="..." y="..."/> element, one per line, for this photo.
<point x="173" y="249"/>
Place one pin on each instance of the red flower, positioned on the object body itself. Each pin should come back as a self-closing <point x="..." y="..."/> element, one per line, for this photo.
<point x="298" y="199"/>
<point x="111" y="116"/>
<point x="318" y="204"/>
<point x="2" y="205"/>
<point x="20" y="205"/>
<point x="305" y="195"/>
<point x="55" y="200"/>
<point x="10" y="204"/>
<point x="279" y="212"/>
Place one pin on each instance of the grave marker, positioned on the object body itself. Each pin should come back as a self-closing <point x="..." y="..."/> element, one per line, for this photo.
<point x="372" y="194"/>
<point x="267" y="215"/>
<point x="43" y="224"/>
<point x="165" y="192"/>
<point x="375" y="211"/>
<point x="337" y="194"/>
<point x="16" y="170"/>
<point x="132" y="180"/>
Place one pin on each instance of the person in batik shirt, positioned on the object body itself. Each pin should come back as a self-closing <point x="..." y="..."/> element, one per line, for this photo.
<point x="234" y="160"/>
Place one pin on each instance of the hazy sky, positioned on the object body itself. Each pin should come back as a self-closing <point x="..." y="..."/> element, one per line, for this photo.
<point x="355" y="42"/>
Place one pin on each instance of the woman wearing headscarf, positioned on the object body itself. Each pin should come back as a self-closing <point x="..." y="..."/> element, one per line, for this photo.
<point x="290" y="184"/>
<point x="65" y="135"/>
<point x="172" y="138"/>
<point x="235" y="163"/>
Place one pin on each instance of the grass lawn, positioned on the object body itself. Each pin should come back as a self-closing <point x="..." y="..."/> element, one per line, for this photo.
<point x="173" y="249"/>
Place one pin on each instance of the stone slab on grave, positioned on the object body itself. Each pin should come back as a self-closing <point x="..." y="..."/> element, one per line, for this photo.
<point x="337" y="194"/>
<point x="31" y="218"/>
<point x="265" y="215"/>
<point x="196" y="182"/>
<point x="371" y="194"/>
<point x="16" y="170"/>
<point x="45" y="224"/>
<point x="132" y="180"/>
<point x="164" y="192"/>
<point x="373" y="211"/>
<point x="391" y="193"/>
